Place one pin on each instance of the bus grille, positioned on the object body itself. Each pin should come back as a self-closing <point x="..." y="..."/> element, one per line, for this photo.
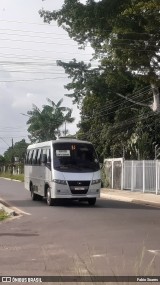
<point x="76" y="187"/>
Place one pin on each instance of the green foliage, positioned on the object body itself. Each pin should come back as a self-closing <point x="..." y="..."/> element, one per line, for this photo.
<point x="44" y="125"/>
<point x="3" y="215"/>
<point x="2" y="160"/>
<point x="126" y="42"/>
<point x="18" y="150"/>
<point x="19" y="177"/>
<point x="121" y="30"/>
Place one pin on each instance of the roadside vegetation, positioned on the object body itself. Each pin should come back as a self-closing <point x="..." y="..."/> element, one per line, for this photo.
<point x="19" y="177"/>
<point x="3" y="215"/>
<point x="118" y="94"/>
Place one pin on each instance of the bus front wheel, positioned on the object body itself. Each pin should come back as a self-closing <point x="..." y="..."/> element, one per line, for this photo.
<point x="50" y="201"/>
<point x="92" y="201"/>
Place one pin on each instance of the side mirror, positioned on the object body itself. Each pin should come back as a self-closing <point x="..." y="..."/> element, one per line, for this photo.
<point x="44" y="158"/>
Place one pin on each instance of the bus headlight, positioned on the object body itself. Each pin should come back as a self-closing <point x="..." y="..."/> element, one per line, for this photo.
<point x="58" y="181"/>
<point x="96" y="181"/>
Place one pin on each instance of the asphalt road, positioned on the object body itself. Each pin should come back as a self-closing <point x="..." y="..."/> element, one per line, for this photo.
<point x="111" y="238"/>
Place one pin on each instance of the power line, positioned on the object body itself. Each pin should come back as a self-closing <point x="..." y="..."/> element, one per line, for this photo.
<point x="122" y="124"/>
<point x="34" y="34"/>
<point x="46" y="51"/>
<point x="113" y="105"/>
<point x="34" y="72"/>
<point x="36" y="42"/>
<point x="30" y="23"/>
<point x="136" y="94"/>
<point x="52" y="25"/>
<point x="34" y="79"/>
<point x="15" y="137"/>
<point x="49" y="43"/>
<point x="33" y="57"/>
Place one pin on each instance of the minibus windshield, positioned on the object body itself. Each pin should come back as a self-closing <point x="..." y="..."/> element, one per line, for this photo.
<point x="75" y="157"/>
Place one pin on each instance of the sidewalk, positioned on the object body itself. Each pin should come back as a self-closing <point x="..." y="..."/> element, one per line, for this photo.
<point x="131" y="197"/>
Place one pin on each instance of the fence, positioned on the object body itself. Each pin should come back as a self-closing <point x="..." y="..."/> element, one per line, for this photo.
<point x="16" y="169"/>
<point x="135" y="175"/>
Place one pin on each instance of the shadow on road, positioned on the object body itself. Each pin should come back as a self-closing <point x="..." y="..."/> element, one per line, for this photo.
<point x="101" y="203"/>
<point x="18" y="234"/>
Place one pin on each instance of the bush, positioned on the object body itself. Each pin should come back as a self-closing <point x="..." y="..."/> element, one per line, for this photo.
<point x="19" y="177"/>
<point x="105" y="182"/>
<point x="3" y="215"/>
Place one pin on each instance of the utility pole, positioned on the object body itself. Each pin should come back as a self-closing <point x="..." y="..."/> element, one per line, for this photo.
<point x="12" y="158"/>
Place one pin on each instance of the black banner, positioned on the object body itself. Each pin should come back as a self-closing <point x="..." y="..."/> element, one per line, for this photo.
<point x="41" y="279"/>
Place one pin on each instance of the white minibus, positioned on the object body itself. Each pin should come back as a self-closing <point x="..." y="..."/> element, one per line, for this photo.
<point x="63" y="168"/>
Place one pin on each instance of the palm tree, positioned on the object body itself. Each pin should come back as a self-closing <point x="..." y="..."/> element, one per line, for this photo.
<point x="45" y="124"/>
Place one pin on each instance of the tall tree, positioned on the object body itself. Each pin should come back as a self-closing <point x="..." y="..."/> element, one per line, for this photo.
<point x="109" y="121"/>
<point x="118" y="98"/>
<point x="2" y="160"/>
<point x="44" y="124"/>
<point x="122" y="32"/>
<point x="18" y="150"/>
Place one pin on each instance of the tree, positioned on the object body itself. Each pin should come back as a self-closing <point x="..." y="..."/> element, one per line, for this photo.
<point x="44" y="124"/>
<point x="122" y="33"/>
<point x="126" y="42"/>
<point x="2" y="160"/>
<point x="18" y="150"/>
<point x="109" y="121"/>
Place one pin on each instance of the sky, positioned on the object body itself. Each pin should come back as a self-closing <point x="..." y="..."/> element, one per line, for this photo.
<point x="29" y="50"/>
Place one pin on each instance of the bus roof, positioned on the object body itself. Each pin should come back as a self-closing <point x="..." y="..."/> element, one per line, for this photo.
<point x="60" y="140"/>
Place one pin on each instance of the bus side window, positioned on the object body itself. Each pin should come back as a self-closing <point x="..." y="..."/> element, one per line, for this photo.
<point x="39" y="154"/>
<point x="26" y="157"/>
<point x="35" y="156"/>
<point x="44" y="152"/>
<point x="48" y="155"/>
<point x="30" y="156"/>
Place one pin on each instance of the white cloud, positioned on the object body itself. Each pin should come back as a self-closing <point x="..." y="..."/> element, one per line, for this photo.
<point x="29" y="50"/>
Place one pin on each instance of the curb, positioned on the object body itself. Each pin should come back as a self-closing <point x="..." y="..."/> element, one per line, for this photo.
<point x="10" y="179"/>
<point x="146" y="203"/>
<point x="118" y="198"/>
<point x="4" y="206"/>
<point x="130" y="200"/>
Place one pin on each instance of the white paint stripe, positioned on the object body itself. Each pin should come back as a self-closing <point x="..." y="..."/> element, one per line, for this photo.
<point x="155" y="251"/>
<point x="17" y="210"/>
<point x="20" y="211"/>
<point x="98" y="255"/>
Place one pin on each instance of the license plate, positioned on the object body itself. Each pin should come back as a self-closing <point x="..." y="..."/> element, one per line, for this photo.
<point x="79" y="188"/>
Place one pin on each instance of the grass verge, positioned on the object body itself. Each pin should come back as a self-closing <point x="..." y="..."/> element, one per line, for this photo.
<point x="3" y="215"/>
<point x="19" y="177"/>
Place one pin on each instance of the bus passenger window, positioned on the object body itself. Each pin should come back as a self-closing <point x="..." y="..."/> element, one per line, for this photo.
<point x="30" y="156"/>
<point x="39" y="156"/>
<point x="48" y="156"/>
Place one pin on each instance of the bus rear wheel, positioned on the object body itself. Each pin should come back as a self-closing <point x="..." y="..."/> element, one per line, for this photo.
<point x="50" y="201"/>
<point x="33" y="195"/>
<point x="92" y="201"/>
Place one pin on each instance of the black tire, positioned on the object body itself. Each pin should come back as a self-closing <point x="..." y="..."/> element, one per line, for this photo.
<point x="33" y="195"/>
<point x="92" y="201"/>
<point x="50" y="201"/>
<point x="39" y="197"/>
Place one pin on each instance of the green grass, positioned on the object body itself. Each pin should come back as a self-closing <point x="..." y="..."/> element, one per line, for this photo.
<point x="19" y="177"/>
<point x="105" y="182"/>
<point x="3" y="215"/>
